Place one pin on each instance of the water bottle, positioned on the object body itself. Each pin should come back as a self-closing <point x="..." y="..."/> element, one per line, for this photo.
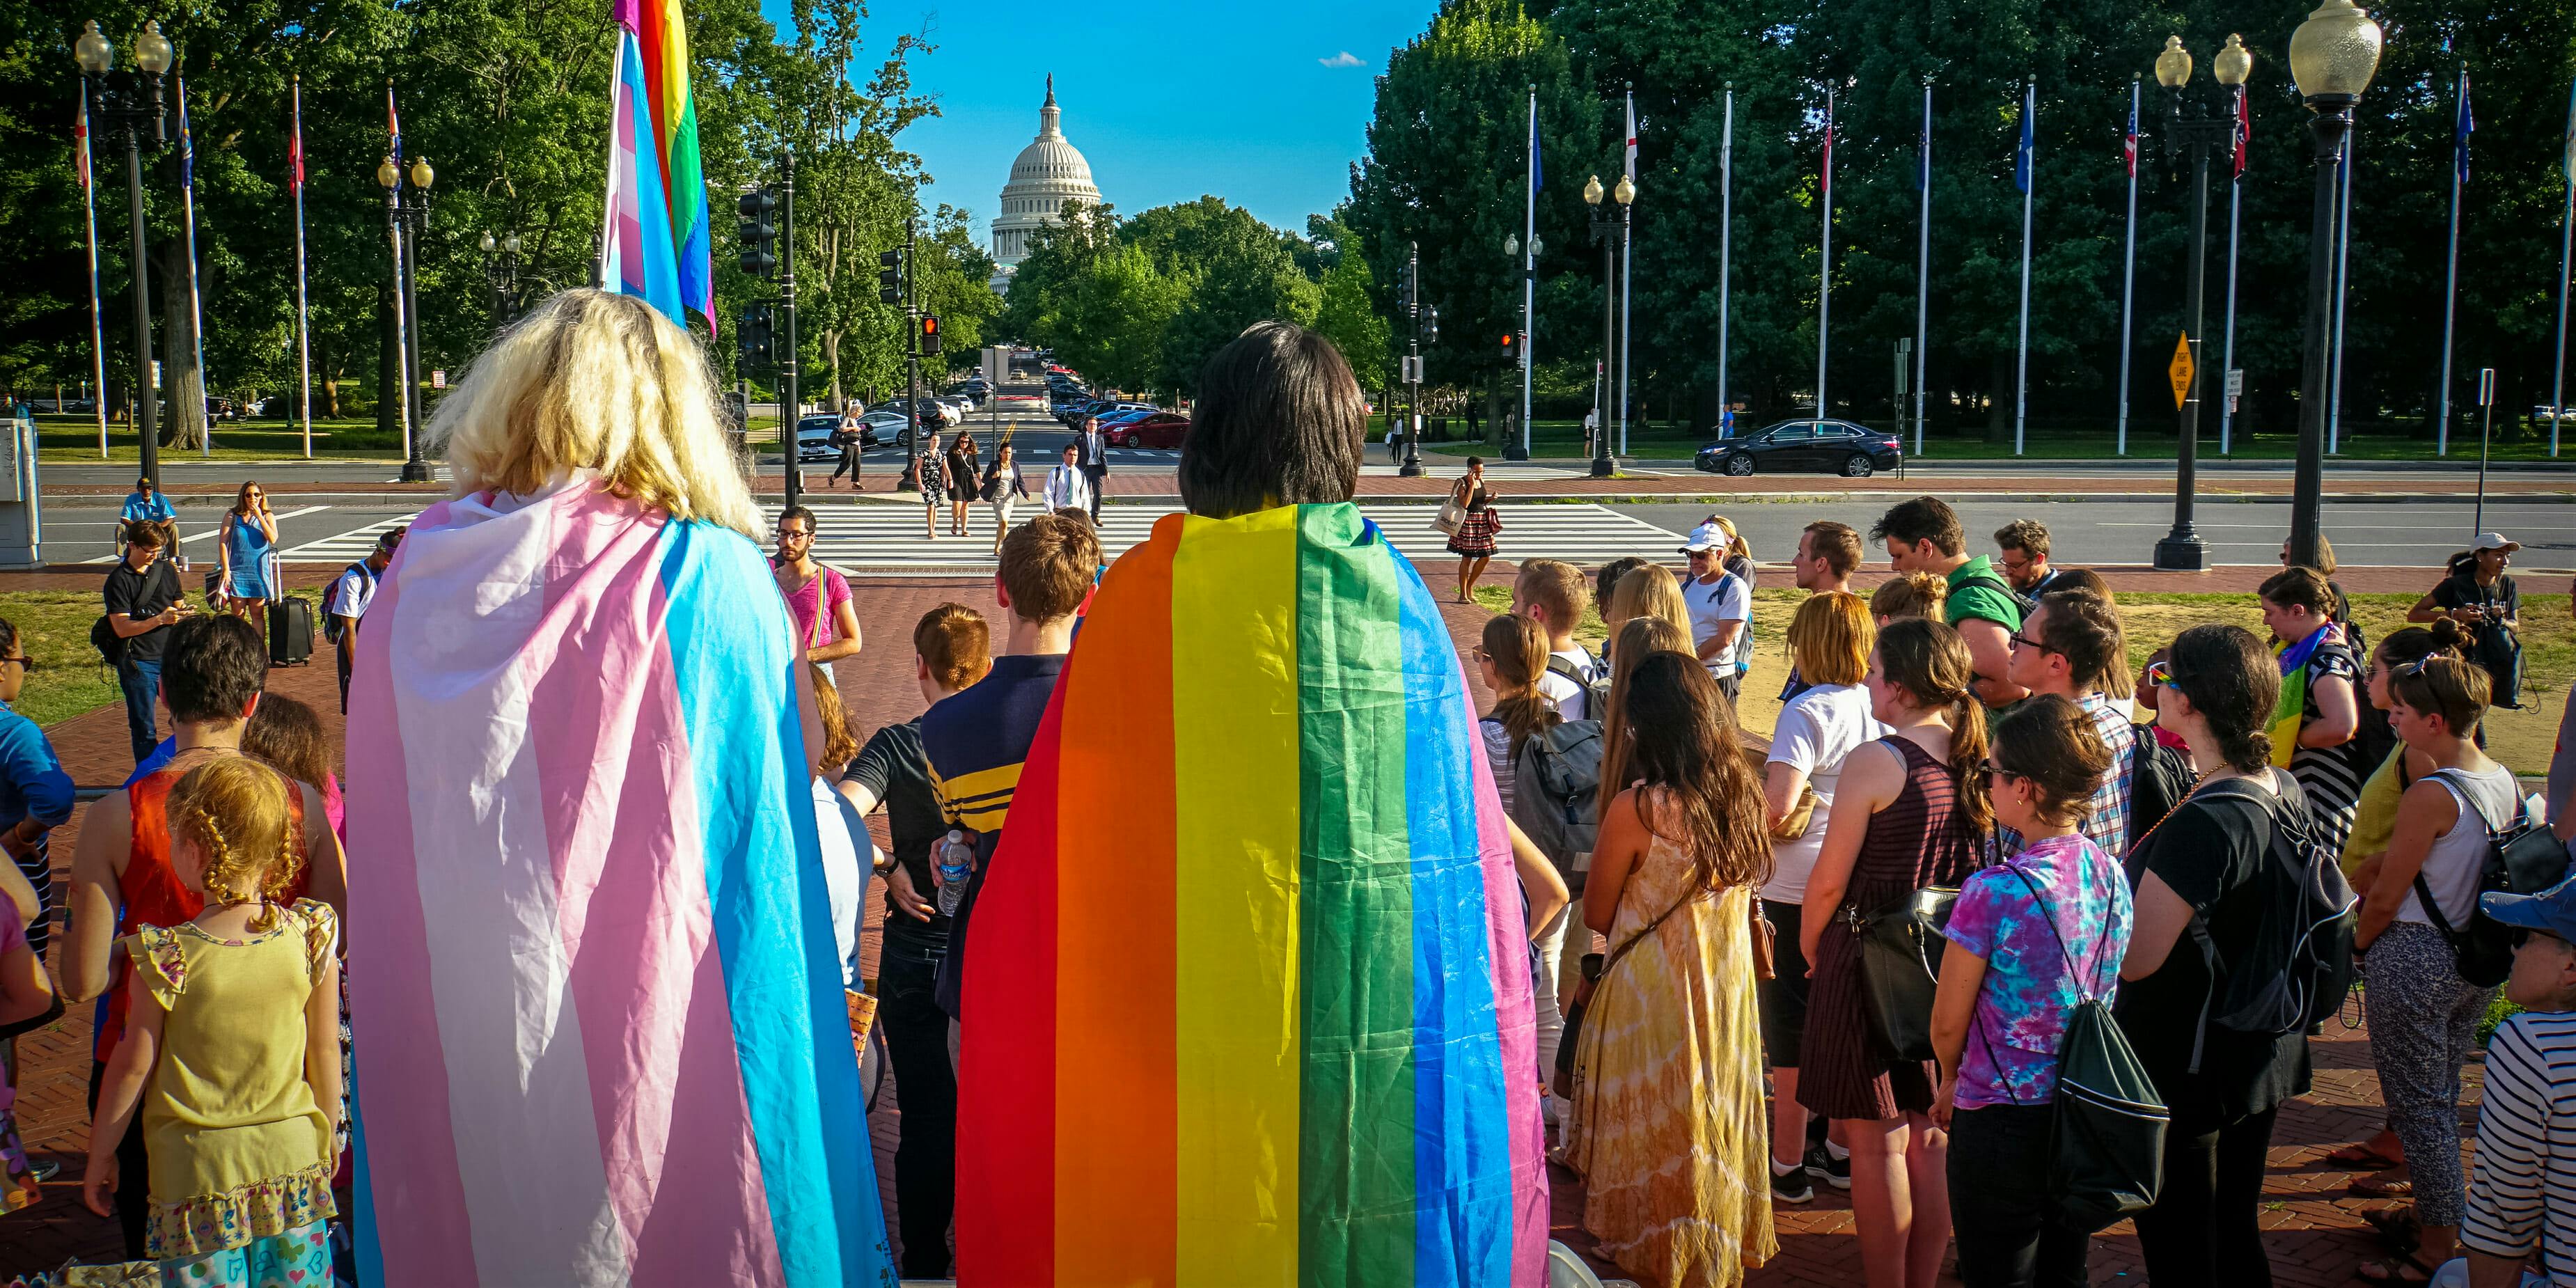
<point x="956" y="863"/>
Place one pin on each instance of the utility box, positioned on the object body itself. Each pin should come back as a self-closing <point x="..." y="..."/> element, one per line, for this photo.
<point x="21" y="502"/>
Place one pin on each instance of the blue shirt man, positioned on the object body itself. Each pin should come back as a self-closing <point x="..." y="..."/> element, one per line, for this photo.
<point x="146" y="503"/>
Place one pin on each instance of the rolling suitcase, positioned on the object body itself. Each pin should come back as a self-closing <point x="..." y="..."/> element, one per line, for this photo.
<point x="290" y="632"/>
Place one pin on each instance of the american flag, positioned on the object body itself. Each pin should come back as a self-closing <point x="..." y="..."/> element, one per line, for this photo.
<point x="2129" y="141"/>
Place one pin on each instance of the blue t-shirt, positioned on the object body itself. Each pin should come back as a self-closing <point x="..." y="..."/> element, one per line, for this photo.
<point x="2029" y="994"/>
<point x="150" y="765"/>
<point x="153" y="509"/>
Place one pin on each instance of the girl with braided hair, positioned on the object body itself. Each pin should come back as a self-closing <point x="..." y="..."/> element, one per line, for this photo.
<point x="231" y="1047"/>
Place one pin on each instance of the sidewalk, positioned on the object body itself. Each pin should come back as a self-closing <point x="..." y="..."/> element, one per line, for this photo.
<point x="2316" y="1233"/>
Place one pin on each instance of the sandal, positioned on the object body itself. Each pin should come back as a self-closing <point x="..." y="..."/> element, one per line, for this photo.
<point x="2359" y="1156"/>
<point x="2393" y="1271"/>
<point x="2381" y="1186"/>
<point x="2398" y="1229"/>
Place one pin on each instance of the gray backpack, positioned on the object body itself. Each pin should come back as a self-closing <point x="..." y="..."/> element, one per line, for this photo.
<point x="1556" y="782"/>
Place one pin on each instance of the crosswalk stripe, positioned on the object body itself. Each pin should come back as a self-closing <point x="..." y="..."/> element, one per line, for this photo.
<point x="887" y="540"/>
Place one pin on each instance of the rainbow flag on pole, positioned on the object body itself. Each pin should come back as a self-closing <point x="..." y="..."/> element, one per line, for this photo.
<point x="1251" y="995"/>
<point x="655" y="242"/>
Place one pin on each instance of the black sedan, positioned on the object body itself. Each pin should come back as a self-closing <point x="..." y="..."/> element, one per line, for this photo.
<point x="1832" y="446"/>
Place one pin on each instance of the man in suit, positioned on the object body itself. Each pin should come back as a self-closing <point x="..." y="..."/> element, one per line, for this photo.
<point x="1095" y="461"/>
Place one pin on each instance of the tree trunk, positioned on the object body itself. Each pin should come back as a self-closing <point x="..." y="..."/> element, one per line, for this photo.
<point x="832" y="346"/>
<point x="183" y="385"/>
<point x="388" y="365"/>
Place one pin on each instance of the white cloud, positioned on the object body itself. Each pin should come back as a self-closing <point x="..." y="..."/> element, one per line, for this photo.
<point x="1342" y="59"/>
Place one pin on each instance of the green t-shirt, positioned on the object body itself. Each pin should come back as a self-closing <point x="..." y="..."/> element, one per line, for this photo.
<point x="1975" y="592"/>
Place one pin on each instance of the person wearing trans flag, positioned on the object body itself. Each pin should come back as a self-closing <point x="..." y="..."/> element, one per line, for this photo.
<point x="600" y="1030"/>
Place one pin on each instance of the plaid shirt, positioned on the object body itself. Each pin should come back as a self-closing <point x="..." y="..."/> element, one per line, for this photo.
<point x="2108" y="824"/>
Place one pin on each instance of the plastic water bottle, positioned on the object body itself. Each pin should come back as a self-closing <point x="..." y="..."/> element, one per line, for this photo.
<point x="956" y="863"/>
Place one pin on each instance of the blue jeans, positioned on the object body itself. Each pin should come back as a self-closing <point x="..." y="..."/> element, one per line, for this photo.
<point x="141" y="680"/>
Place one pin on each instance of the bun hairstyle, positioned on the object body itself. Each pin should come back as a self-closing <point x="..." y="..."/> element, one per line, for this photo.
<point x="2444" y="638"/>
<point x="1518" y="649"/>
<point x="1909" y="594"/>
<point x="2446" y="687"/>
<point x="1685" y="745"/>
<point x="1639" y="639"/>
<point x="1927" y="662"/>
<point x="2051" y="744"/>
<point x="239" y="813"/>
<point x="2232" y="682"/>
<point x="2299" y="586"/>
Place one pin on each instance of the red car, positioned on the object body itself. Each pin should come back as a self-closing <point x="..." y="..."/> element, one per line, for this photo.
<point x="1161" y="429"/>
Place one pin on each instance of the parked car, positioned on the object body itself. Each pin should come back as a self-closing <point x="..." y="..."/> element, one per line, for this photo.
<point x="932" y="410"/>
<point x="1155" y="429"/>
<point x="1102" y="407"/>
<point x="814" y="438"/>
<point x="1834" y="446"/>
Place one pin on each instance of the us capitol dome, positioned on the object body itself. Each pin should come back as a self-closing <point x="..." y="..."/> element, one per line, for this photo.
<point x="1048" y="173"/>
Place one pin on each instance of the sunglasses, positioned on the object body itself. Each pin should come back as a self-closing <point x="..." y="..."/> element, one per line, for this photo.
<point x="1478" y="654"/>
<point x="1994" y="771"/>
<point x="2160" y="674"/>
<point x="23" y="663"/>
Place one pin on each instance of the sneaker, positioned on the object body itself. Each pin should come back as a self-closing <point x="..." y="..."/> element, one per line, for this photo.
<point x="45" y="1170"/>
<point x="1792" y="1188"/>
<point x="1834" y="1171"/>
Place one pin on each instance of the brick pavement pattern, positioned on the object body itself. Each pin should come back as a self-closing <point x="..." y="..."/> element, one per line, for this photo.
<point x="2316" y="1235"/>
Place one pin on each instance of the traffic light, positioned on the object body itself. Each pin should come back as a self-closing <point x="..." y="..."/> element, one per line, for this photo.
<point x="1404" y="287"/>
<point x="1511" y="347"/>
<point x="929" y="334"/>
<point x="759" y="234"/>
<point x="1431" y="326"/>
<point x="757" y="336"/>
<point x="890" y="277"/>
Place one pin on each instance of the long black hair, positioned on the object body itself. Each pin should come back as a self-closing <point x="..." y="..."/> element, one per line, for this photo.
<point x="1279" y="421"/>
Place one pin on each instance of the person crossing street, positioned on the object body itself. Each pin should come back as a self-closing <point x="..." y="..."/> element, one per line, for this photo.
<point x="1095" y="462"/>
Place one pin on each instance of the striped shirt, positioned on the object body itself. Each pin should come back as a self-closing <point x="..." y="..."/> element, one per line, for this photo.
<point x="974" y="742"/>
<point x="2108" y="823"/>
<point x="2522" y="1188"/>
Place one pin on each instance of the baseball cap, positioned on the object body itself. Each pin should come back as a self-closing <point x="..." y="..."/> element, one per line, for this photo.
<point x="2552" y="910"/>
<point x="2493" y="541"/>
<point x="1707" y="536"/>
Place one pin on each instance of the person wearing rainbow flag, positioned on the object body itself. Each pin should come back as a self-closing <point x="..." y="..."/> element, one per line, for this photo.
<point x="2319" y="709"/>
<point x="1251" y="998"/>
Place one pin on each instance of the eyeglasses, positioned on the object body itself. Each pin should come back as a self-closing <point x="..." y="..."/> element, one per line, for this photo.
<point x="2160" y="674"/>
<point x="791" y="534"/>
<point x="2018" y="639"/>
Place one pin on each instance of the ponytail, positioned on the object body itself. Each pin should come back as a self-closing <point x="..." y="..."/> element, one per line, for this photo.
<point x="1929" y="663"/>
<point x="1968" y="759"/>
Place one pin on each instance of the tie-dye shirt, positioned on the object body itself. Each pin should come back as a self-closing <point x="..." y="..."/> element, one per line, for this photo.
<point x="2029" y="994"/>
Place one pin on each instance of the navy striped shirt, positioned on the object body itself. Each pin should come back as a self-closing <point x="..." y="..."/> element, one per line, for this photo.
<point x="2522" y="1188"/>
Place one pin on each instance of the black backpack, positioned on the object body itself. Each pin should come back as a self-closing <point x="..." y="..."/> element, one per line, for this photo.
<point x="2106" y="1124"/>
<point x="331" y="628"/>
<point x="2159" y="778"/>
<point x="2524" y="857"/>
<point x="2025" y="603"/>
<point x="2299" y="967"/>
<point x="1556" y="789"/>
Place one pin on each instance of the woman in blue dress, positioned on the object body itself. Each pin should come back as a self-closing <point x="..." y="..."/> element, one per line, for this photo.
<point x="247" y="547"/>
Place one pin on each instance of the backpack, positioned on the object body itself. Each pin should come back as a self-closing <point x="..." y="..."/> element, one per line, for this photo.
<point x="2159" y="778"/>
<point x="2021" y="602"/>
<point x="110" y="645"/>
<point x="2523" y="857"/>
<point x="1596" y="691"/>
<point x="331" y="628"/>
<point x="2299" y="967"/>
<point x="2106" y="1124"/>
<point x="1556" y="786"/>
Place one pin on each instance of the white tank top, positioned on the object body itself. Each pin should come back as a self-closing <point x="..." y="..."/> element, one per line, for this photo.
<point x="2451" y="868"/>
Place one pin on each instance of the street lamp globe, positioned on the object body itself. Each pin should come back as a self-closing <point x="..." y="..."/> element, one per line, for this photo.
<point x="421" y="175"/>
<point x="1512" y="243"/>
<point x="1538" y="246"/>
<point x="490" y="243"/>
<point x="2335" y="52"/>
<point x="511" y="243"/>
<point x="2173" y="66"/>
<point x="152" y="49"/>
<point x="1626" y="191"/>
<point x="388" y="175"/>
<point x="2234" y="63"/>
<point x="94" y="52"/>
<point x="1592" y="191"/>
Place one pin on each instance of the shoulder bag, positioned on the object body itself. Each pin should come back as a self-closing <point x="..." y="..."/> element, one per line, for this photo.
<point x="1596" y="965"/>
<point x="1899" y="956"/>
<point x="1452" y="511"/>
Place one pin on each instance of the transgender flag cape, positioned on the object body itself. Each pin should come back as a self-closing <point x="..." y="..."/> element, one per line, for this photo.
<point x="1251" y="996"/>
<point x="600" y="1031"/>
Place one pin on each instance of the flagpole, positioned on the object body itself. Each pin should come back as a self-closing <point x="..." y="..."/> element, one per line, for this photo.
<point x="1825" y="268"/>
<point x="2227" y="346"/>
<point x="1923" y="269"/>
<point x="2343" y="290"/>
<point x="2451" y="282"/>
<point x="402" y="340"/>
<point x="196" y="313"/>
<point x="2566" y="228"/>
<point x="2129" y="264"/>
<point x="1627" y="264"/>
<point x="1529" y="272"/>
<point x="303" y="324"/>
<point x="2030" y="182"/>
<point x="97" y="331"/>
<point x="1725" y="243"/>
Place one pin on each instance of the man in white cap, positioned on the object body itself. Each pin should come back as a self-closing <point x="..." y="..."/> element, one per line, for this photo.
<point x="1721" y="605"/>
<point x="2479" y="596"/>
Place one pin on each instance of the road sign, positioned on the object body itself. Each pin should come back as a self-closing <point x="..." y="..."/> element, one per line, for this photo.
<point x="2236" y="382"/>
<point x="2180" y="370"/>
<point x="2486" y="386"/>
<point x="438" y="380"/>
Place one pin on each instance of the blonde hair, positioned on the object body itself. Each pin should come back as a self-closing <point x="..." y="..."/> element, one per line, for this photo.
<point x="239" y="812"/>
<point x="1639" y="639"/>
<point x="1650" y="591"/>
<point x="1830" y="638"/>
<point x="602" y="382"/>
<point x="1910" y="594"/>
<point x="1735" y="542"/>
<point x="840" y="746"/>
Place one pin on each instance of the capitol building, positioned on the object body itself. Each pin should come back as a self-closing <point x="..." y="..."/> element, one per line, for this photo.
<point x="1048" y="173"/>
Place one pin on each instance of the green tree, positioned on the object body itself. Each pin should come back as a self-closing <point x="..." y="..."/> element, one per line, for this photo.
<point x="1349" y="318"/>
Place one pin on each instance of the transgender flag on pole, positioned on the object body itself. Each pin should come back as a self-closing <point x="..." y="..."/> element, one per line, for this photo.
<point x="654" y="242"/>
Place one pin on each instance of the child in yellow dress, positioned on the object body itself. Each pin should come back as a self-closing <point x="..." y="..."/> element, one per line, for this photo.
<point x="231" y="1049"/>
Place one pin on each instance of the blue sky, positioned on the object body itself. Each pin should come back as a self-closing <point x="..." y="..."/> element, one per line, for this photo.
<point x="1167" y="100"/>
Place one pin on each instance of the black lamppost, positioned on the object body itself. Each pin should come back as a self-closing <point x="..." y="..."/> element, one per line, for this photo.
<point x="407" y="212"/>
<point x="130" y="104"/>
<point x="1426" y="326"/>
<point x="2192" y="123"/>
<point x="501" y="273"/>
<point x="2332" y="58"/>
<point x="1611" y="235"/>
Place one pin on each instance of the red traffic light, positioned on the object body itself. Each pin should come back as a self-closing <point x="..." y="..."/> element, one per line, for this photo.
<point x="1507" y="340"/>
<point x="930" y="333"/>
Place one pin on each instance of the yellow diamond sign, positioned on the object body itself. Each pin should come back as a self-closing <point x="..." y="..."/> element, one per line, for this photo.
<point x="2180" y="369"/>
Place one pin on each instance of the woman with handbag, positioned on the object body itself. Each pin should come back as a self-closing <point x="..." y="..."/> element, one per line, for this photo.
<point x="1665" y="1072"/>
<point x="2030" y="938"/>
<point x="1909" y="816"/>
<point x="1002" y="486"/>
<point x="1829" y="639"/>
<point x="965" y="480"/>
<point x="1473" y="525"/>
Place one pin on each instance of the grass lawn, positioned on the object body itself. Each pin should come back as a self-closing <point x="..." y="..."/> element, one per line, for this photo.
<point x="68" y="678"/>
<point x="2521" y="739"/>
<point x="1563" y="439"/>
<point x="73" y="440"/>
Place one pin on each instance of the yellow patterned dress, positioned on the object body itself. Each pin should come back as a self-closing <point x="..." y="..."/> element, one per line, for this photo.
<point x="1669" y="1129"/>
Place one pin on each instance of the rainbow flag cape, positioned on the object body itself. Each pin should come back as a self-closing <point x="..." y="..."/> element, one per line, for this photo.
<point x="656" y="240"/>
<point x="600" y="1030"/>
<point x="2293" y="702"/>
<point x="1250" y="999"/>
